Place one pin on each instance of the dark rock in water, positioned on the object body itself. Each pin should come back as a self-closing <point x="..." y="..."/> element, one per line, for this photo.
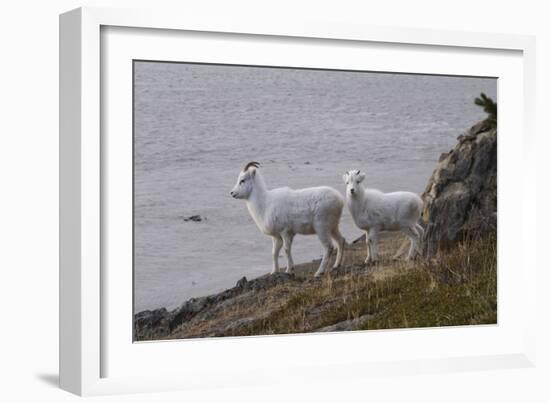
<point x="195" y="218"/>
<point x="460" y="199"/>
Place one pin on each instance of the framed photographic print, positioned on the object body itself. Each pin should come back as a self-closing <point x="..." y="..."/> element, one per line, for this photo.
<point x="247" y="201"/>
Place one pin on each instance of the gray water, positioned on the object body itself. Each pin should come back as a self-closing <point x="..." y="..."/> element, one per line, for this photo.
<point x="197" y="125"/>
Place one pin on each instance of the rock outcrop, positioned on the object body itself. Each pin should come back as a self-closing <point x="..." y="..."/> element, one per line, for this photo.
<point x="460" y="199"/>
<point x="159" y="323"/>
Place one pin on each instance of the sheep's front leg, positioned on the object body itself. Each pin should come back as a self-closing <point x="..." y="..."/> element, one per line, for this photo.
<point x="372" y="238"/>
<point x="287" y="244"/>
<point x="369" y="253"/>
<point x="277" y="245"/>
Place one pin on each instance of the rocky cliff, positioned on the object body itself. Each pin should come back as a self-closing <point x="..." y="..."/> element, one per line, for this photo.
<point x="460" y="199"/>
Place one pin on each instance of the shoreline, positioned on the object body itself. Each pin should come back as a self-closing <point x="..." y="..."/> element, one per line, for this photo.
<point x="457" y="288"/>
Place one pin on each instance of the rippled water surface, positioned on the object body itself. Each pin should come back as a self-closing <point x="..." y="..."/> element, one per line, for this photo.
<point x="197" y="125"/>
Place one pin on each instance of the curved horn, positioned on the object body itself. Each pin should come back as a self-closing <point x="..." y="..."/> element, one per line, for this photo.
<point x="251" y="164"/>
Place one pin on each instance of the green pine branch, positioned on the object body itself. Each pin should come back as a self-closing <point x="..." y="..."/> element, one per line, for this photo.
<point x="490" y="107"/>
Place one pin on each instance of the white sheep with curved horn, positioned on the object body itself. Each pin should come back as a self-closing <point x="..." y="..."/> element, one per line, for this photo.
<point x="374" y="211"/>
<point x="283" y="212"/>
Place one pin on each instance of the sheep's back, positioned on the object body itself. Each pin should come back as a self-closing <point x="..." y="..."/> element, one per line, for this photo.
<point x="404" y="205"/>
<point x="388" y="211"/>
<point x="297" y="210"/>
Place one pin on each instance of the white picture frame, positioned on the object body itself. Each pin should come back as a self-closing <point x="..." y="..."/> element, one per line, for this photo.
<point x="93" y="349"/>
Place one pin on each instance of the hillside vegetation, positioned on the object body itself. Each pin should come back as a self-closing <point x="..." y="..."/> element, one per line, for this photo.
<point x="455" y="287"/>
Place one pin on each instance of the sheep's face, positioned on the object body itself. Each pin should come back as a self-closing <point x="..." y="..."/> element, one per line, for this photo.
<point x="352" y="179"/>
<point x="244" y="185"/>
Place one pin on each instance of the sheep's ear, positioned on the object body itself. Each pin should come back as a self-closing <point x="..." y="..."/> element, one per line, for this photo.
<point x="345" y="177"/>
<point x="360" y="178"/>
<point x="252" y="172"/>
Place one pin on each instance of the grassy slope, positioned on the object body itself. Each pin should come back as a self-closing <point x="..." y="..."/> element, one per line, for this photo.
<point x="454" y="288"/>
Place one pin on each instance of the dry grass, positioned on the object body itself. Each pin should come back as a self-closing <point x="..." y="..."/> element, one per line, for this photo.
<point x="457" y="287"/>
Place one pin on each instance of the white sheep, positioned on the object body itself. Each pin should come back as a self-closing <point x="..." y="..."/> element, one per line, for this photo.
<point x="374" y="211"/>
<point x="283" y="212"/>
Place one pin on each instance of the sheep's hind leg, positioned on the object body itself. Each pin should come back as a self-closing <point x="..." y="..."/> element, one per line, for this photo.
<point x="277" y="245"/>
<point x="287" y="244"/>
<point x="401" y="250"/>
<point x="340" y="243"/>
<point x="327" y="244"/>
<point x="420" y="236"/>
<point x="420" y="230"/>
<point x="414" y="236"/>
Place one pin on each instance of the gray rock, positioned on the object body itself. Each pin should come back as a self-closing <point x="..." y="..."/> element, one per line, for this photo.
<point x="350" y="324"/>
<point x="460" y="199"/>
<point x="158" y="324"/>
<point x="443" y="156"/>
<point x="242" y="282"/>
